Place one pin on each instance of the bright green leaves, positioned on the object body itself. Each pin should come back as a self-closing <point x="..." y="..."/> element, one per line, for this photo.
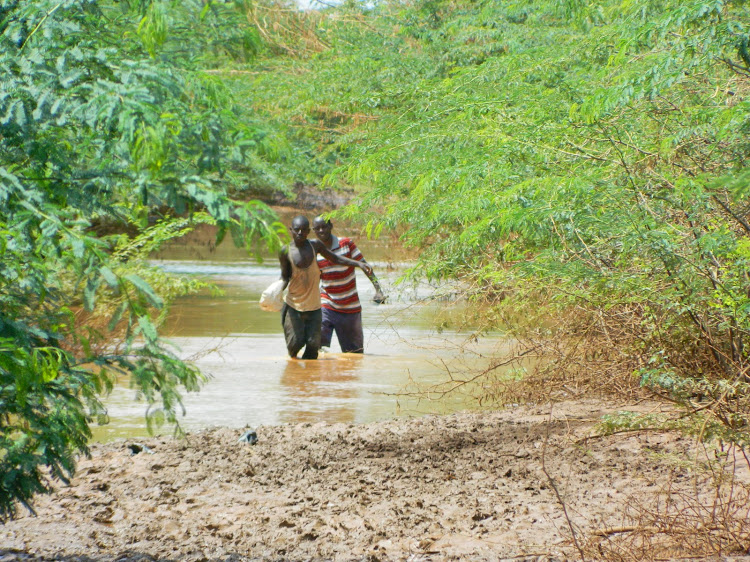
<point x="153" y="145"/>
<point x="152" y="28"/>
<point x="44" y="420"/>
<point x="737" y="183"/>
<point x="665" y="45"/>
<point x="73" y="315"/>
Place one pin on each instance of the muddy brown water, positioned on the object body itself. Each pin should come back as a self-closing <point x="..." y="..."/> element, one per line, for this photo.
<point x="252" y="381"/>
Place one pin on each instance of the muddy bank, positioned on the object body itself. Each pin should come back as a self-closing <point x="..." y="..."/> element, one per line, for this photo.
<point x="457" y="487"/>
<point x="310" y="198"/>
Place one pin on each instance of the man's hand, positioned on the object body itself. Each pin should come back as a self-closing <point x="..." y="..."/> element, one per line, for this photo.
<point x="379" y="297"/>
<point x="366" y="268"/>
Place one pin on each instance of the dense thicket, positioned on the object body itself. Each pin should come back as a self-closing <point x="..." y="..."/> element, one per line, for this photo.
<point x="581" y="166"/>
<point x="105" y="126"/>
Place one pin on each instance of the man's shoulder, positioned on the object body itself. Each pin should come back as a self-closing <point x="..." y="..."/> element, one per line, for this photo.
<point x="346" y="241"/>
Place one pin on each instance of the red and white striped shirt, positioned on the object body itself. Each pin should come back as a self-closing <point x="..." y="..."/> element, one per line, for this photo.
<point x="338" y="283"/>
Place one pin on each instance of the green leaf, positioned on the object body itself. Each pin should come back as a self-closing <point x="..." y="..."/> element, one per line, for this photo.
<point x="147" y="329"/>
<point x="117" y="316"/>
<point x="145" y="289"/>
<point x="109" y="276"/>
<point x="89" y="295"/>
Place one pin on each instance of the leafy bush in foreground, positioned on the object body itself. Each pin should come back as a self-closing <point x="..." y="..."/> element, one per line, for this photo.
<point x="97" y="128"/>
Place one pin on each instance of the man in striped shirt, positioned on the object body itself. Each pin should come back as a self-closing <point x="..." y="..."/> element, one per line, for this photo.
<point x="340" y="304"/>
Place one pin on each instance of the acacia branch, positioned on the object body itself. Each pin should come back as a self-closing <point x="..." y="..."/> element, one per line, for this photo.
<point x="738" y="68"/>
<point x="557" y="493"/>
<point x="739" y="219"/>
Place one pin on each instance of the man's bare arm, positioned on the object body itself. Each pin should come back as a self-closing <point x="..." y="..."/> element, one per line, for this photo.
<point x="286" y="266"/>
<point x="379" y="297"/>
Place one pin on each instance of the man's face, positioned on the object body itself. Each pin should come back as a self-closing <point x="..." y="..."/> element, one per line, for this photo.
<point x="299" y="229"/>
<point x="322" y="229"/>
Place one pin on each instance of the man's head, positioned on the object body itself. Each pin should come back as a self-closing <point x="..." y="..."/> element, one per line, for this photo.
<point x="300" y="229"/>
<point x="322" y="228"/>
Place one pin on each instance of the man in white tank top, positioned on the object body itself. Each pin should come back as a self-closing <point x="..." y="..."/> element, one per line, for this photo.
<point x="300" y="314"/>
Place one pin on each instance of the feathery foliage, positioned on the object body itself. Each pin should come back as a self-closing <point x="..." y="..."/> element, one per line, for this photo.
<point x="582" y="166"/>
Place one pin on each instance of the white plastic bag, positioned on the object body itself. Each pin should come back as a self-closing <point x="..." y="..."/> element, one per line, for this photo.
<point x="272" y="298"/>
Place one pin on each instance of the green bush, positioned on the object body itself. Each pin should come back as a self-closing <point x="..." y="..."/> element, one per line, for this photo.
<point x="99" y="124"/>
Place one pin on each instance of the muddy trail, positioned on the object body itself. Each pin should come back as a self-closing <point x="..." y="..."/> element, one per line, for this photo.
<point x="471" y="486"/>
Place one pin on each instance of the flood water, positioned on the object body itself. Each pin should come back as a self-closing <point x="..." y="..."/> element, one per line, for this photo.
<point x="252" y="381"/>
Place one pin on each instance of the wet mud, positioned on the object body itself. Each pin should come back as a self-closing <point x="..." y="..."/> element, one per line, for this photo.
<point x="470" y="486"/>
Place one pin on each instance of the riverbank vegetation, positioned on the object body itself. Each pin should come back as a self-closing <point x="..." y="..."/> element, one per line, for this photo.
<point x="580" y="167"/>
<point x="585" y="162"/>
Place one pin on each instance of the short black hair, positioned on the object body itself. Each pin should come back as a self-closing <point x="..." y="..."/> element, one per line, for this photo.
<point x="321" y="217"/>
<point x="301" y="219"/>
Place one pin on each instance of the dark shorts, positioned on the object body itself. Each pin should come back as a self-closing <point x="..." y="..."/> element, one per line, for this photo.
<point x="348" y="328"/>
<point x="301" y="329"/>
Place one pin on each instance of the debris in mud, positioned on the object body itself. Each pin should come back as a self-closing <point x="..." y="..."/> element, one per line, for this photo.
<point x="136" y="448"/>
<point x="250" y="437"/>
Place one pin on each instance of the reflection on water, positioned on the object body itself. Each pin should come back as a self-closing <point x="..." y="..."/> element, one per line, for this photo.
<point x="253" y="382"/>
<point x="325" y="388"/>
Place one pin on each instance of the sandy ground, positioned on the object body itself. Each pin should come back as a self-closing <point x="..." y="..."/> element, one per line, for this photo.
<point x="459" y="487"/>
